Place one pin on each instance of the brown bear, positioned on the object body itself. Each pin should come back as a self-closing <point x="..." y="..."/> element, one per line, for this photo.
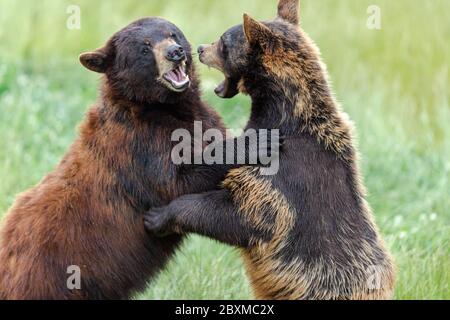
<point x="306" y="232"/>
<point x="88" y="213"/>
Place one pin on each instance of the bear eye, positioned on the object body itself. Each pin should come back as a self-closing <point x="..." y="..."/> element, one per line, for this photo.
<point x="173" y="35"/>
<point x="145" y="50"/>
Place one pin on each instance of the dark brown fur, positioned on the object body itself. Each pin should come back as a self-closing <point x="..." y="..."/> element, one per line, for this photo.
<point x="307" y="232"/>
<point x="88" y="211"/>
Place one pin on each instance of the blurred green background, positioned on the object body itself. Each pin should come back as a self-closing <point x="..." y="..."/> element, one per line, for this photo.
<point x="393" y="82"/>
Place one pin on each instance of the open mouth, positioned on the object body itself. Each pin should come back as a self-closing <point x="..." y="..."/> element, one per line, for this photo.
<point x="221" y="89"/>
<point x="177" y="78"/>
<point x="227" y="88"/>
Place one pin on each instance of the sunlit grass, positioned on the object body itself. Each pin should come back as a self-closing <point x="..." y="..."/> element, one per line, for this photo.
<point x="393" y="83"/>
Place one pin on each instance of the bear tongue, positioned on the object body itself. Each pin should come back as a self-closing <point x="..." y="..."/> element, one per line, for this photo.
<point x="177" y="75"/>
<point x="182" y="75"/>
<point x="172" y="75"/>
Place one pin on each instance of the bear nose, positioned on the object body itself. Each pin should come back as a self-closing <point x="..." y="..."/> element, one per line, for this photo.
<point x="175" y="53"/>
<point x="201" y="49"/>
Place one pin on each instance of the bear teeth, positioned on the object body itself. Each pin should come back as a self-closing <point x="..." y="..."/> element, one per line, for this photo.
<point x="177" y="77"/>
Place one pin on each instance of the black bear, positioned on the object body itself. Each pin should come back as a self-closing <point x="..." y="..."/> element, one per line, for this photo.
<point x="87" y="214"/>
<point x="306" y="232"/>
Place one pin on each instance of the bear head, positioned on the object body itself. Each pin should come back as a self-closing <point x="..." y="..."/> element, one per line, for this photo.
<point x="148" y="61"/>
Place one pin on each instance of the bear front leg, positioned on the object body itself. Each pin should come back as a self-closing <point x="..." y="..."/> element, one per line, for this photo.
<point x="209" y="214"/>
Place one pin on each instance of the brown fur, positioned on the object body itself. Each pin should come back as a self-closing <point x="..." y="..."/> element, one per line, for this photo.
<point x="334" y="132"/>
<point x="306" y="232"/>
<point x="295" y="280"/>
<point x="88" y="211"/>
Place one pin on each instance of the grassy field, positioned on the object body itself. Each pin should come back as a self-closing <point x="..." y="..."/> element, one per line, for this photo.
<point x="393" y="82"/>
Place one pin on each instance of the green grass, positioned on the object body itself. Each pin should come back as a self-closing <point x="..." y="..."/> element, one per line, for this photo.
<point x="393" y="83"/>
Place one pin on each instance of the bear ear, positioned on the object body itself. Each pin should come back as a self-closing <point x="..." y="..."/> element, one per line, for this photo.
<point x="96" y="61"/>
<point x="256" y="32"/>
<point x="288" y="10"/>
